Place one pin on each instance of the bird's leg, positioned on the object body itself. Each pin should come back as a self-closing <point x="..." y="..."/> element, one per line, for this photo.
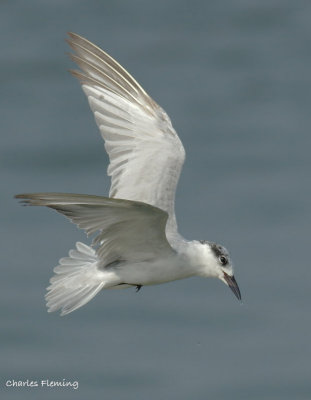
<point x="138" y="287"/>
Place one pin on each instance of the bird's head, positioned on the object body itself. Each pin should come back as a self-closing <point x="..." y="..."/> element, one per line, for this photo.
<point x="219" y="265"/>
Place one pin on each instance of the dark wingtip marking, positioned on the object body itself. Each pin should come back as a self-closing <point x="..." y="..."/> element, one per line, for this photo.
<point x="23" y="199"/>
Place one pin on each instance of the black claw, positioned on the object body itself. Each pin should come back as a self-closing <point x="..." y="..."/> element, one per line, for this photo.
<point x="138" y="287"/>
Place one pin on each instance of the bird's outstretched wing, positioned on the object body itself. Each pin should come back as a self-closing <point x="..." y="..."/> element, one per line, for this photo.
<point x="127" y="230"/>
<point x="146" y="154"/>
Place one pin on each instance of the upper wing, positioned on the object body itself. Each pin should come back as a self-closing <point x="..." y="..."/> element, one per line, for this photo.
<point x="146" y="155"/>
<point x="128" y="230"/>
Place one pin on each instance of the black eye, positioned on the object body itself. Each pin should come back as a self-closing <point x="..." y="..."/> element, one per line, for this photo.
<point x="223" y="260"/>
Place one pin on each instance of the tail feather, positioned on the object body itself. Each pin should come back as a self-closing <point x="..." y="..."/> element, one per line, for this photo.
<point x="76" y="281"/>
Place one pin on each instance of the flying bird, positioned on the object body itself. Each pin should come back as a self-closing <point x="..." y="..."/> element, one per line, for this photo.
<point x="136" y="241"/>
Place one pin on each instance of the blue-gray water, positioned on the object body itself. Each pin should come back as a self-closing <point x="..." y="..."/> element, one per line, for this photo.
<point x="235" y="79"/>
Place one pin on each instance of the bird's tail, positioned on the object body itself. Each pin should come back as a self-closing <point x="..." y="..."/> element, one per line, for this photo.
<point x="76" y="281"/>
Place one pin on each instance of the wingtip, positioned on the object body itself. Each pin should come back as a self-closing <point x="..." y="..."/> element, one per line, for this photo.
<point x="71" y="34"/>
<point x="23" y="199"/>
<point x="21" y="196"/>
<point x="71" y="71"/>
<point x="72" y="38"/>
<point x="77" y="74"/>
<point x="28" y="199"/>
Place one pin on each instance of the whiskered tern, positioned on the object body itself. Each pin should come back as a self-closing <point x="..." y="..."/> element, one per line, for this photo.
<point x="136" y="242"/>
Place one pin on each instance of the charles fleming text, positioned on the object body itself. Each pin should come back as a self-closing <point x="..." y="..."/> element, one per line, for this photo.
<point x="42" y="383"/>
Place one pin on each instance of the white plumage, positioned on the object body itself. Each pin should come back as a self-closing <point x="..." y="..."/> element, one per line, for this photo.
<point x="146" y="155"/>
<point x="136" y="240"/>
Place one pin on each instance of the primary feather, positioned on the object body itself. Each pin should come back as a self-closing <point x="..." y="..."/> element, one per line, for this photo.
<point x="146" y="155"/>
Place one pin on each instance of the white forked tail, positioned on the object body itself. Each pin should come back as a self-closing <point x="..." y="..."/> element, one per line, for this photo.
<point x="76" y="281"/>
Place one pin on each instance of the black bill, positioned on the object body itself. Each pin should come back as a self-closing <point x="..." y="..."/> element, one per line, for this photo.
<point x="232" y="283"/>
